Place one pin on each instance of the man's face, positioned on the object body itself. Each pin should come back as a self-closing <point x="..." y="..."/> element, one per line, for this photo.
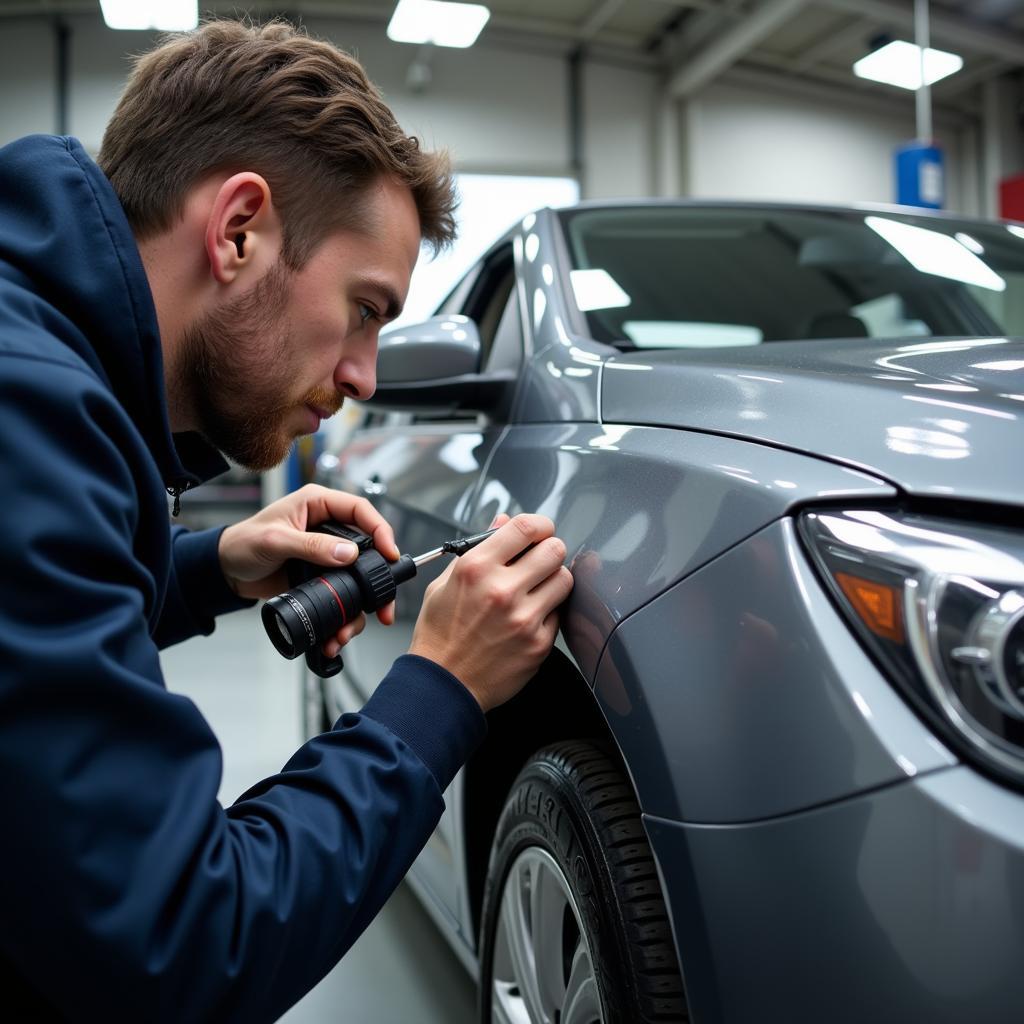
<point x="267" y="366"/>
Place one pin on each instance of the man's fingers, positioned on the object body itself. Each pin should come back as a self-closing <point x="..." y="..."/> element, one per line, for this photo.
<point x="550" y="626"/>
<point x="502" y="594"/>
<point x="552" y="592"/>
<point x="386" y="615"/>
<point x="512" y="538"/>
<point x="537" y="564"/>
<point x="344" y="635"/>
<point x="283" y="542"/>
<point x="324" y="503"/>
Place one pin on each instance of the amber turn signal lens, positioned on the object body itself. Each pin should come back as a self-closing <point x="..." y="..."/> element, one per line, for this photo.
<point x="876" y="604"/>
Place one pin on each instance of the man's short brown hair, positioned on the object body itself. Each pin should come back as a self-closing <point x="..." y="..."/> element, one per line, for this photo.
<point x="302" y="113"/>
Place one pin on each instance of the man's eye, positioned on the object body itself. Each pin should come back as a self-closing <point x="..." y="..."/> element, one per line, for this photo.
<point x="366" y="313"/>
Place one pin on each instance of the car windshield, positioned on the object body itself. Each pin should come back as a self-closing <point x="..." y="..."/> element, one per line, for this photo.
<point x="703" y="277"/>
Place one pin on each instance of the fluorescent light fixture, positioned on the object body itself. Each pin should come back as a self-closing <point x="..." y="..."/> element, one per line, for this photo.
<point x="164" y="15"/>
<point x="899" y="63"/>
<point x="440" y="22"/>
<point x="597" y="289"/>
<point x="932" y="252"/>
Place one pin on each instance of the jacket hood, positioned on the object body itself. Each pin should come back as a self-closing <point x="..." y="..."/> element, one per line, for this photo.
<point x="65" y="238"/>
<point x="936" y="416"/>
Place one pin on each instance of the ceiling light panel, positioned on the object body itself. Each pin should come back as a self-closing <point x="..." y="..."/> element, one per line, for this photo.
<point x="164" y="15"/>
<point x="899" y="63"/>
<point x="437" y="21"/>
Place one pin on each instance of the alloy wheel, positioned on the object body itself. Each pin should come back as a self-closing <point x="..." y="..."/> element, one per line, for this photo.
<point x="543" y="966"/>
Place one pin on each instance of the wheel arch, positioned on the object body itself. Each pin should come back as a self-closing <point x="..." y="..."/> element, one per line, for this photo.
<point x="557" y="704"/>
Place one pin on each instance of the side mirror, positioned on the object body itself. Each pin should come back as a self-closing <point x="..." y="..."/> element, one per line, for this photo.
<point x="435" y="366"/>
<point x="443" y="346"/>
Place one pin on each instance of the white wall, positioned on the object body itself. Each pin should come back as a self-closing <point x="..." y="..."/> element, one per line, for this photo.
<point x="502" y="110"/>
<point x="28" y="97"/>
<point x="755" y="144"/>
<point x="507" y="111"/>
<point x="619" y="127"/>
<point x="497" y="110"/>
<point x="100" y="62"/>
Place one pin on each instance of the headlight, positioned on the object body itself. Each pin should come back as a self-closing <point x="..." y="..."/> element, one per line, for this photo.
<point x="941" y="607"/>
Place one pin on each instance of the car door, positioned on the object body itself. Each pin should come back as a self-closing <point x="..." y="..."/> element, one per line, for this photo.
<point x="422" y="473"/>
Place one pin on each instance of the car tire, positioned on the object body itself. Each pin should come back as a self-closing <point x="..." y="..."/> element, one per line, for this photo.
<point x="313" y="706"/>
<point x="574" y="926"/>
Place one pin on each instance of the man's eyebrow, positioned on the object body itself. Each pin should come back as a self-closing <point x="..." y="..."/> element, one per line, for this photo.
<point x="392" y="303"/>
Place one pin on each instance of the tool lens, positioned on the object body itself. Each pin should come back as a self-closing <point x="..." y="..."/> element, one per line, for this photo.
<point x="308" y="615"/>
<point x="283" y="629"/>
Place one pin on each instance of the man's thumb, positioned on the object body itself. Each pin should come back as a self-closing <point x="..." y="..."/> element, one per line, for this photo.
<point x="319" y="548"/>
<point x="342" y="552"/>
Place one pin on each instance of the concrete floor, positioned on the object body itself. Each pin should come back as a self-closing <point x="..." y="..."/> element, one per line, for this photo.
<point x="400" y="971"/>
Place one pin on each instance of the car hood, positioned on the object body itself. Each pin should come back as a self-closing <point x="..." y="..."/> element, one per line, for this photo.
<point x="938" y="416"/>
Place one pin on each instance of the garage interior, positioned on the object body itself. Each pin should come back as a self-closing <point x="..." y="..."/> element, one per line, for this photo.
<point x="599" y="99"/>
<point x="556" y="100"/>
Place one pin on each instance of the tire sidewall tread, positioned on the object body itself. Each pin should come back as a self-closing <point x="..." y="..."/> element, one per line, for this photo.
<point x="574" y="801"/>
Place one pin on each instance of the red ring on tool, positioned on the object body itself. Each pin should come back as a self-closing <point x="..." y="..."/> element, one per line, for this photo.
<point x="341" y="607"/>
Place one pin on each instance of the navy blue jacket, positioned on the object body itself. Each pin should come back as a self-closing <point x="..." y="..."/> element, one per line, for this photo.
<point x="126" y="891"/>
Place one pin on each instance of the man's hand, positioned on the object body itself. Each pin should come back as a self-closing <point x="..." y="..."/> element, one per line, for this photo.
<point x="253" y="552"/>
<point x="491" y="624"/>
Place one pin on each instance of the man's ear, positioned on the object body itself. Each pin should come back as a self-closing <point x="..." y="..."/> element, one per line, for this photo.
<point x="243" y="233"/>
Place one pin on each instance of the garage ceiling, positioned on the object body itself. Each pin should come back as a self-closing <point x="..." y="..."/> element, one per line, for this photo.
<point x="695" y="41"/>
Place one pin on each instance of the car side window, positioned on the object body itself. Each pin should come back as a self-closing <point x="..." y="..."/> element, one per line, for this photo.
<point x="507" y="349"/>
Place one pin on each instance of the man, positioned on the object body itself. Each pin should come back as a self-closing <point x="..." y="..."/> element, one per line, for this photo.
<point x="222" y="279"/>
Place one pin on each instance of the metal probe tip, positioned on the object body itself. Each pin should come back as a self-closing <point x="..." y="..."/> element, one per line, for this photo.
<point x="453" y="547"/>
<point x="427" y="556"/>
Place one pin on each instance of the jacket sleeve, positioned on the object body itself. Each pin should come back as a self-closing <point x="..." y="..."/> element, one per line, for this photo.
<point x="130" y="893"/>
<point x="196" y="591"/>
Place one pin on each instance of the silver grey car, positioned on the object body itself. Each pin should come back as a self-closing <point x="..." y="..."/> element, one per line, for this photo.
<point x="774" y="768"/>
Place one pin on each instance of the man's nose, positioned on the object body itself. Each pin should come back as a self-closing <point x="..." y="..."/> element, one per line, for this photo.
<point x="356" y="374"/>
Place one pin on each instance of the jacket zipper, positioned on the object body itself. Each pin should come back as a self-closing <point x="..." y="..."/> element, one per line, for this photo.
<point x="176" y="492"/>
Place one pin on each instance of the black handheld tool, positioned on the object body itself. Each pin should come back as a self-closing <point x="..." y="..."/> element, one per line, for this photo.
<point x="320" y="603"/>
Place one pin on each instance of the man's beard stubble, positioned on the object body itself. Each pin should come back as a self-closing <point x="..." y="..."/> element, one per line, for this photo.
<point x="235" y="365"/>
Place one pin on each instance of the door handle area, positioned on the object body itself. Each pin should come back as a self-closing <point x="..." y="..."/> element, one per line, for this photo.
<point x="374" y="487"/>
